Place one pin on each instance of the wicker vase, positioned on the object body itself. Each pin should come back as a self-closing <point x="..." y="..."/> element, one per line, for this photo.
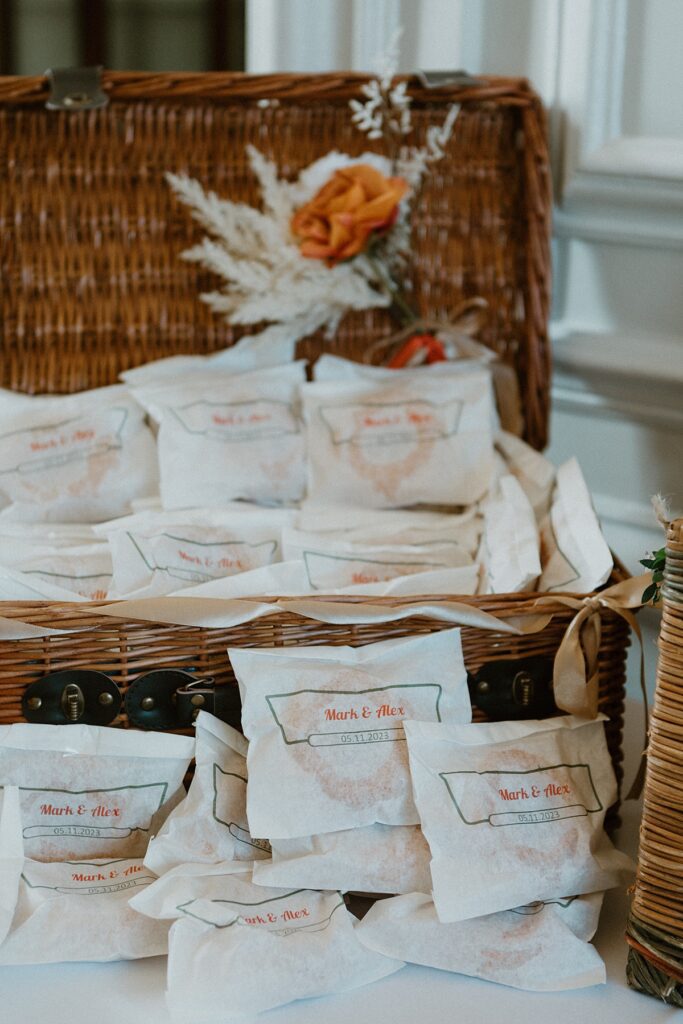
<point x="655" y="927"/>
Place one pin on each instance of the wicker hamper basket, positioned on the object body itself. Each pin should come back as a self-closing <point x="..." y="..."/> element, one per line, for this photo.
<point x="91" y="284"/>
<point x="655" y="926"/>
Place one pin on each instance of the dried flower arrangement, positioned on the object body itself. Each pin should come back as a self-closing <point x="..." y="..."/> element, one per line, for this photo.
<point x="334" y="240"/>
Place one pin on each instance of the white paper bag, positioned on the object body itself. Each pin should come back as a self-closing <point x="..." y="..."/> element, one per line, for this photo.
<point x="11" y="856"/>
<point x="18" y="586"/>
<point x="327" y="749"/>
<point x="238" y="948"/>
<point x="332" y="562"/>
<point x="158" y="554"/>
<point x="210" y="824"/>
<point x="78" y="910"/>
<point x="535" y="473"/>
<point x="400" y="442"/>
<point x="74" y="458"/>
<point x="514" y="811"/>
<point x="377" y="858"/>
<point x="84" y="571"/>
<point x="533" y="947"/>
<point x="283" y="579"/>
<point x="248" y="354"/>
<point x="290" y="579"/>
<point x="28" y="540"/>
<point x="90" y="791"/>
<point x="335" y="368"/>
<point x="464" y="580"/>
<point x="402" y="526"/>
<point x="575" y="555"/>
<point x="510" y="551"/>
<point x="224" y="436"/>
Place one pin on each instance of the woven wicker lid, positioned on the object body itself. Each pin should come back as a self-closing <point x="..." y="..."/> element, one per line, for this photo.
<point x="90" y="234"/>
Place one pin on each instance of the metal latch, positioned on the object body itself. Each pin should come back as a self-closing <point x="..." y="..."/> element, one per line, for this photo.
<point x="76" y="89"/>
<point x="172" y="699"/>
<point x="438" y="79"/>
<point x="72" y="696"/>
<point x="514" y="689"/>
<point x="203" y="695"/>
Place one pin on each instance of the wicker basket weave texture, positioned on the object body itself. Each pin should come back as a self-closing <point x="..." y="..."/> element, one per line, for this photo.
<point x="91" y="283"/>
<point x="655" y="928"/>
<point x="90" y="234"/>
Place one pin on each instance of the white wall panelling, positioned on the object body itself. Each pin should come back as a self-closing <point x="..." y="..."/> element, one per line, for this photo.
<point x="326" y="35"/>
<point x="615" y="184"/>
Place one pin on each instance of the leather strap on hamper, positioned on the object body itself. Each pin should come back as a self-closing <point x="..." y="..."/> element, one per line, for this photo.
<point x="172" y="699"/>
<point x="72" y="696"/>
<point x="161" y="699"/>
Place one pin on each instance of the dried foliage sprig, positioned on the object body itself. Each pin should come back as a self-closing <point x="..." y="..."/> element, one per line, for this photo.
<point x="386" y="110"/>
<point x="655" y="563"/>
<point x="387" y="114"/>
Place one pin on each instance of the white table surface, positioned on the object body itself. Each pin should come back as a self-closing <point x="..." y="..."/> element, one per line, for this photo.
<point x="133" y="992"/>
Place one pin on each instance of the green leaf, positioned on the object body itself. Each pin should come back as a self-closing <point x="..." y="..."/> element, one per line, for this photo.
<point x="647" y="562"/>
<point x="650" y="593"/>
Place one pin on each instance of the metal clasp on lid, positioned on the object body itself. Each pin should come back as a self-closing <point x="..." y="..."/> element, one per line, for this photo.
<point x="437" y="79"/>
<point x="72" y="702"/>
<point x="514" y="689"/>
<point x="72" y="695"/>
<point x="76" y="89"/>
<point x="172" y="699"/>
<point x="199" y="693"/>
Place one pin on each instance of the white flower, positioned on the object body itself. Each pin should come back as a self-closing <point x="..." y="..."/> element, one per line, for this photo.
<point x="386" y="110"/>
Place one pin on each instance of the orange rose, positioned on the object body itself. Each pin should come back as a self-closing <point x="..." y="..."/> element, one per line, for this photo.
<point x="338" y="222"/>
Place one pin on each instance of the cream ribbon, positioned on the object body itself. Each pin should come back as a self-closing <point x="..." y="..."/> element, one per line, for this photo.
<point x="223" y="613"/>
<point x="576" y="668"/>
<point x="17" y="629"/>
<point x="458" y="329"/>
<point x="575" y="676"/>
<point x="466" y="320"/>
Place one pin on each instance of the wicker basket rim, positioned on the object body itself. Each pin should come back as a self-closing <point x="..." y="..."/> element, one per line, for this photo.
<point x="155" y="86"/>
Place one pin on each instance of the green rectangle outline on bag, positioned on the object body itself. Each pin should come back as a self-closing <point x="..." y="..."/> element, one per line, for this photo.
<point x="176" y="571"/>
<point x="351" y="693"/>
<point x="531" y="909"/>
<point x="76" y="457"/>
<point x="80" y="792"/>
<point x="246" y="438"/>
<point x="422" y="566"/>
<point x="585" y="811"/>
<point x="259" y="903"/>
<point x="385" y="405"/>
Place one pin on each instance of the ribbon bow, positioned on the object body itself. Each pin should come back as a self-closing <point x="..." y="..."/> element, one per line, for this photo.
<point x="456" y="332"/>
<point x="576" y="668"/>
<point x="433" y="340"/>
